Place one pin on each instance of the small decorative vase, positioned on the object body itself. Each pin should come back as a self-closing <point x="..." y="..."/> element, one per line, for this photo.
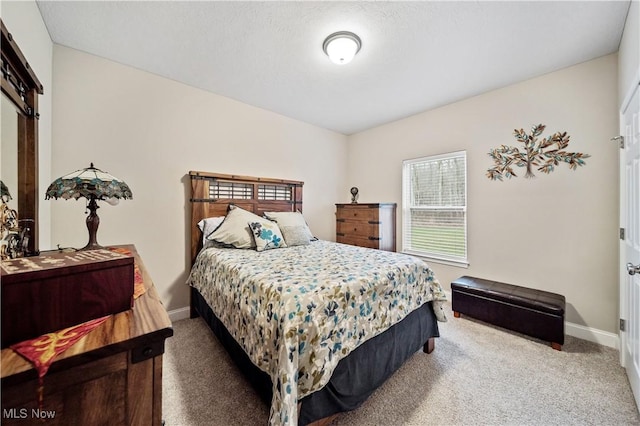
<point x="354" y="195"/>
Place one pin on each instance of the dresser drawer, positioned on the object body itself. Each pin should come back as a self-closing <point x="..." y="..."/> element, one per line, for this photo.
<point x="357" y="213"/>
<point x="355" y="241"/>
<point x="354" y="228"/>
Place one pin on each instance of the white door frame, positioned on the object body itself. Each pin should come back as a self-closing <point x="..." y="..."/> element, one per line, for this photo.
<point x="623" y="255"/>
<point x="623" y="275"/>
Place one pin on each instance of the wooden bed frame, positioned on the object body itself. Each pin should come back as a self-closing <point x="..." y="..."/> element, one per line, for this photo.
<point x="211" y="195"/>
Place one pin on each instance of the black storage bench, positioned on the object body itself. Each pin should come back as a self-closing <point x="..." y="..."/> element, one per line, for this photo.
<point x="532" y="312"/>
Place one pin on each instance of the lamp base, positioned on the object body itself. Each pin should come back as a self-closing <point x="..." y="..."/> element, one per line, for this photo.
<point x="91" y="247"/>
<point x="92" y="225"/>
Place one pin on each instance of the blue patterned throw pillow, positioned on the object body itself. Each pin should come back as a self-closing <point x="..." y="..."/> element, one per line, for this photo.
<point x="267" y="235"/>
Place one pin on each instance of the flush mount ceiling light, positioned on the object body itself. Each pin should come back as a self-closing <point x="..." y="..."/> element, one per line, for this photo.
<point x="341" y="47"/>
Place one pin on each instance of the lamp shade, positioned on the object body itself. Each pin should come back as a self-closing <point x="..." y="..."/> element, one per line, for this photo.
<point x="342" y="46"/>
<point x="92" y="184"/>
<point x="88" y="183"/>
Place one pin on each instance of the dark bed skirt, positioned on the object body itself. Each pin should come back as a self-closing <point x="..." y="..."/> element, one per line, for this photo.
<point x="355" y="377"/>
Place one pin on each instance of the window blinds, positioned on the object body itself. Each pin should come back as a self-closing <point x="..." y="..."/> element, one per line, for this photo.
<point x="435" y="206"/>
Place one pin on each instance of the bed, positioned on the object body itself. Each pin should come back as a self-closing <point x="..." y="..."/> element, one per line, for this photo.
<point x="316" y="326"/>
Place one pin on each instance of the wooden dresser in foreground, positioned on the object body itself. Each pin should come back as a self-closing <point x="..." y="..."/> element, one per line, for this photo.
<point x="112" y="376"/>
<point x="371" y="225"/>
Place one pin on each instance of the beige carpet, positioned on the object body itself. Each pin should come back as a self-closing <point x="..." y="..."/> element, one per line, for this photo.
<point x="478" y="375"/>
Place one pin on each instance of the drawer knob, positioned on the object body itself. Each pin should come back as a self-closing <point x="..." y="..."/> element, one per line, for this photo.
<point x="148" y="351"/>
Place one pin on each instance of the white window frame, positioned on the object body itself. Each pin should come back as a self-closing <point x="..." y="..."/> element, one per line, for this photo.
<point x="452" y="260"/>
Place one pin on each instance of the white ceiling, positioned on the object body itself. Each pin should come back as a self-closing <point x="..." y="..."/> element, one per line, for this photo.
<point x="415" y="55"/>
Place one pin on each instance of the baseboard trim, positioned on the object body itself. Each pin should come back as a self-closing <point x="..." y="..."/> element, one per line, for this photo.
<point x="580" y="331"/>
<point x="592" y="335"/>
<point x="179" y="314"/>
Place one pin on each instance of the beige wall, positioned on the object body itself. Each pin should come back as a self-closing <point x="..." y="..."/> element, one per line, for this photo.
<point x="555" y="232"/>
<point x="125" y="121"/>
<point x="150" y="131"/>
<point x="24" y="21"/>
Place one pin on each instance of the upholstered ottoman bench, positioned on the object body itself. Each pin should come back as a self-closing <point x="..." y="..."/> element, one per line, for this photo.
<point x="535" y="313"/>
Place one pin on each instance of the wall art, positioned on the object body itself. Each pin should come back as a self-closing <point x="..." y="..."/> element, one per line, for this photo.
<point x="544" y="154"/>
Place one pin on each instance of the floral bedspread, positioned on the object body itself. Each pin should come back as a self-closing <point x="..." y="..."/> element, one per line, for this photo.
<point x="299" y="310"/>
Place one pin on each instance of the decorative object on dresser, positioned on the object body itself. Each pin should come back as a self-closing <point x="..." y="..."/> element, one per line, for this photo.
<point x="354" y="195"/>
<point x="14" y="233"/>
<point x="5" y="195"/>
<point x="56" y="290"/>
<point x="92" y="184"/>
<point x="8" y="225"/>
<point x="112" y="375"/>
<point x="371" y="225"/>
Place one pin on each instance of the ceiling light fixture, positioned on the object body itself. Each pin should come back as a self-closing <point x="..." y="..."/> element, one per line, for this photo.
<point x="341" y="47"/>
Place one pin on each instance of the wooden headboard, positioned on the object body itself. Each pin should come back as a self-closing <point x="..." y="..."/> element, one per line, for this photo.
<point x="211" y="194"/>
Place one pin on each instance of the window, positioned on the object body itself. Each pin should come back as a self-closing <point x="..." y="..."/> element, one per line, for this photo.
<point x="434" y="206"/>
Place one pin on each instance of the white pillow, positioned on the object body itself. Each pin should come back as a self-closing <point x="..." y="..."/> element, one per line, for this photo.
<point x="296" y="235"/>
<point x="289" y="219"/>
<point x="235" y="230"/>
<point x="267" y="235"/>
<point x="208" y="225"/>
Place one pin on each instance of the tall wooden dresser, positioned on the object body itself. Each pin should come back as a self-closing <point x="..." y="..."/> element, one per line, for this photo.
<point x="112" y="376"/>
<point x="371" y="225"/>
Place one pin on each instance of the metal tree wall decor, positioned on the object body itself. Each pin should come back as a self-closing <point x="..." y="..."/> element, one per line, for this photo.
<point x="544" y="154"/>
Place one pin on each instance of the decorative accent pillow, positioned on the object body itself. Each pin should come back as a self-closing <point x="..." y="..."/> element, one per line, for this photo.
<point x="267" y="235"/>
<point x="208" y="225"/>
<point x="289" y="219"/>
<point x="296" y="235"/>
<point x="234" y="230"/>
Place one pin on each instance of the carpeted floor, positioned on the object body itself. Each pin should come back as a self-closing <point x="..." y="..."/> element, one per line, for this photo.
<point x="478" y="375"/>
